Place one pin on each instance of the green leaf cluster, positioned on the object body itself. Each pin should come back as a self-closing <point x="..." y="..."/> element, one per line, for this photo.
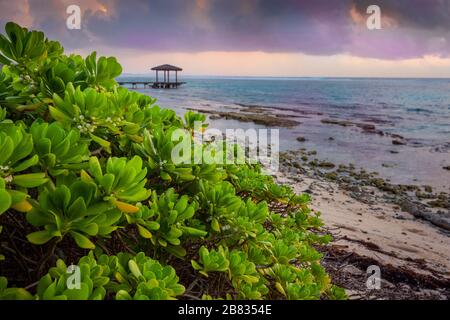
<point x="76" y="210"/>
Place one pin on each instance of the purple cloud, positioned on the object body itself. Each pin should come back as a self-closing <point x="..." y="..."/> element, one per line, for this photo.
<point x="411" y="28"/>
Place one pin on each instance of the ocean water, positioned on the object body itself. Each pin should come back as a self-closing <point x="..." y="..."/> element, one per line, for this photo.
<point x="416" y="109"/>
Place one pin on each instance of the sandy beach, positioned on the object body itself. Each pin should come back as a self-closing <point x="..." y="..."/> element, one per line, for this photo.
<point x="413" y="254"/>
<point x="393" y="239"/>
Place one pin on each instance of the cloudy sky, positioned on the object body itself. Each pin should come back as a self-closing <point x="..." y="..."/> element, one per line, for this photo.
<point x="253" y="37"/>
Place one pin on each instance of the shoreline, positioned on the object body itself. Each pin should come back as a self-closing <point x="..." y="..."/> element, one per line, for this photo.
<point x="372" y="143"/>
<point x="403" y="228"/>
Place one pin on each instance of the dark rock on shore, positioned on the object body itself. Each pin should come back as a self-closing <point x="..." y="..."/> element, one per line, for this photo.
<point x="397" y="136"/>
<point x="342" y="123"/>
<point x="258" y="118"/>
<point x="365" y="127"/>
<point x="252" y="107"/>
<point x="369" y="128"/>
<point x="331" y="176"/>
<point x="418" y="210"/>
<point x="326" y="165"/>
<point x="398" y="142"/>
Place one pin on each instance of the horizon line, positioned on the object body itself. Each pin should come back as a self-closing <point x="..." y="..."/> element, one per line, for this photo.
<point x="294" y="77"/>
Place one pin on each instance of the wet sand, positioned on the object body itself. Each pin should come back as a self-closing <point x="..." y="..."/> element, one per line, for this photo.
<point x="413" y="254"/>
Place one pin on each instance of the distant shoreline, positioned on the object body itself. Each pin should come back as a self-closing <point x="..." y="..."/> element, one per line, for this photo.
<point x="202" y="76"/>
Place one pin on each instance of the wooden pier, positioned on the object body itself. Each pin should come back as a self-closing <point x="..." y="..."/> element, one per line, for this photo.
<point x="165" y="84"/>
<point x="151" y="84"/>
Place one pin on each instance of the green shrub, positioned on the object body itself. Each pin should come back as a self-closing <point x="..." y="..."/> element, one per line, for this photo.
<point x="123" y="180"/>
<point x="93" y="278"/>
<point x="12" y="293"/>
<point x="59" y="150"/>
<point x="17" y="156"/>
<point x="172" y="215"/>
<point x="91" y="165"/>
<point x="74" y="210"/>
<point x="142" y="278"/>
<point x="210" y="261"/>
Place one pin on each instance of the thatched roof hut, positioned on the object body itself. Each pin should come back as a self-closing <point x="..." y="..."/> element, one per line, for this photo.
<point x="166" y="67"/>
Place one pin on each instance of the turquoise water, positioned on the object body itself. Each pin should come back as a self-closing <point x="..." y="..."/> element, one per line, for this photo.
<point x="417" y="109"/>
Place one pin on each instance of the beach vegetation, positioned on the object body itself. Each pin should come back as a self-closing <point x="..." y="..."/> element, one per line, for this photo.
<point x="92" y="205"/>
